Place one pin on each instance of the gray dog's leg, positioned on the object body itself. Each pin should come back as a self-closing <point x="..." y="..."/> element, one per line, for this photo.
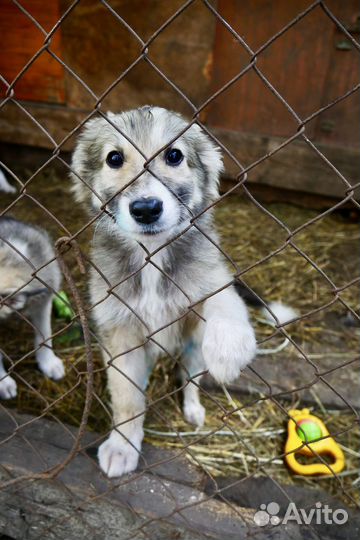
<point x="193" y="362"/>
<point x="47" y="360"/>
<point x="7" y="383"/>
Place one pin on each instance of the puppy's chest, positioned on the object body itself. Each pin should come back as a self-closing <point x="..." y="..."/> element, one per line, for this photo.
<point x="158" y="301"/>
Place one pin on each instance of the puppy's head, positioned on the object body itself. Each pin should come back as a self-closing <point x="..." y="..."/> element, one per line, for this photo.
<point x="13" y="277"/>
<point x="110" y="169"/>
<point x="12" y="297"/>
<point x="10" y="303"/>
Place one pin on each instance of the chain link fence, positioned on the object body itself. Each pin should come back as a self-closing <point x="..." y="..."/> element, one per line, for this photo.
<point x="189" y="483"/>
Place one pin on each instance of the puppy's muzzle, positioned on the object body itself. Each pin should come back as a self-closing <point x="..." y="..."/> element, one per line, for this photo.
<point x="146" y="211"/>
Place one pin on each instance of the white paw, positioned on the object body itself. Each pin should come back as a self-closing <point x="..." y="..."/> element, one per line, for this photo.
<point x="228" y="347"/>
<point x="52" y="367"/>
<point x="117" y="456"/>
<point x="7" y="387"/>
<point x="194" y="413"/>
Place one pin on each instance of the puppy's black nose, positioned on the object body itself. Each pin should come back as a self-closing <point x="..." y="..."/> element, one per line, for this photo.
<point x="146" y="210"/>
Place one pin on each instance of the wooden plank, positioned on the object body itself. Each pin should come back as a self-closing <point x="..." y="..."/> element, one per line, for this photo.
<point x="19" y="128"/>
<point x="83" y="504"/>
<point x="339" y="126"/>
<point x="297" y="167"/>
<point x="20" y="40"/>
<point x="182" y="50"/>
<point x="267" y="194"/>
<point x="295" y="63"/>
<point x="298" y="374"/>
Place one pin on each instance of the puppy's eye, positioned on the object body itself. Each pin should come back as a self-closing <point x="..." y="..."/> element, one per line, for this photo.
<point x="174" y="157"/>
<point x="115" y="159"/>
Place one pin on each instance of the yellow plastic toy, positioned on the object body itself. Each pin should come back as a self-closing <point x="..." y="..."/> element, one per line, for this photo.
<point x="304" y="427"/>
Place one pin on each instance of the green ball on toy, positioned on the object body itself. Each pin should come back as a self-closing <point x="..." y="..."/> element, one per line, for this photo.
<point x="62" y="307"/>
<point x="310" y="431"/>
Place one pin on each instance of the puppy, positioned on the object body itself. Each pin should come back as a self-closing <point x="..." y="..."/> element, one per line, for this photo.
<point x="24" y="249"/>
<point x="141" y="303"/>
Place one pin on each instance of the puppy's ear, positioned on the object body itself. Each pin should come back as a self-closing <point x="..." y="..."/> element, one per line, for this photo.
<point x="86" y="159"/>
<point x="211" y="159"/>
<point x="16" y="302"/>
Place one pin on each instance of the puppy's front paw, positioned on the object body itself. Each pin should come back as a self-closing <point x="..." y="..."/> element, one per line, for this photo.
<point x="52" y="366"/>
<point x="117" y="456"/>
<point x="228" y="347"/>
<point x="8" y="388"/>
<point x="194" y="413"/>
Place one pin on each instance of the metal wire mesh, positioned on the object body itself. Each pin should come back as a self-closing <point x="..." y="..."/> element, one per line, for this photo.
<point x="76" y="274"/>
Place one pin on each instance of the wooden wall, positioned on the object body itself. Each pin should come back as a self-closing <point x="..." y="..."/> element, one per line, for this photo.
<point x="21" y="39"/>
<point x="310" y="65"/>
<point x="97" y="47"/>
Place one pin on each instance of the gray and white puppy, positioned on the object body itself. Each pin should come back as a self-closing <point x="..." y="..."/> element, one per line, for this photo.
<point x="24" y="249"/>
<point x="135" y="297"/>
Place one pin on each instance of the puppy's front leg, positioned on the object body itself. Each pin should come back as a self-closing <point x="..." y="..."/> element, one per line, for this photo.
<point x="7" y="383"/>
<point x="193" y="363"/>
<point x="127" y="377"/>
<point x="229" y="340"/>
<point x="47" y="360"/>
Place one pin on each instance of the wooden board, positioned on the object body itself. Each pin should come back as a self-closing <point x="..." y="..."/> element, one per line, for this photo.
<point x="20" y="40"/>
<point x="83" y="504"/>
<point x="339" y="125"/>
<point x="99" y="48"/>
<point x="297" y="375"/>
<point x="297" y="167"/>
<point x="304" y="65"/>
<point x="295" y="64"/>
